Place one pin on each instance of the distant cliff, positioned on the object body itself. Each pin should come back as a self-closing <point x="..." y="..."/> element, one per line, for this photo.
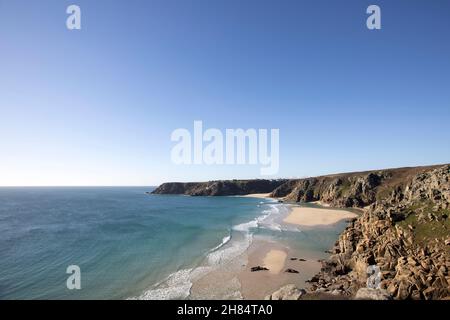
<point x="219" y="188"/>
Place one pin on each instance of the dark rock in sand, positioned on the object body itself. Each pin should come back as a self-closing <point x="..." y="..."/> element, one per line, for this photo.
<point x="291" y="271"/>
<point x="313" y="279"/>
<point x="258" y="268"/>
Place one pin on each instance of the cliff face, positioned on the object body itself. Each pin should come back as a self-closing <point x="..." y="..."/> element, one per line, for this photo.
<point x="406" y="235"/>
<point x="348" y="189"/>
<point x="219" y="188"/>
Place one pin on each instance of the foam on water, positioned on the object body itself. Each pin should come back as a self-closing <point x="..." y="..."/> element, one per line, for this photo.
<point x="246" y="226"/>
<point x="225" y="240"/>
<point x="232" y="250"/>
<point x="266" y="220"/>
<point x="176" y="286"/>
<point x="273" y="220"/>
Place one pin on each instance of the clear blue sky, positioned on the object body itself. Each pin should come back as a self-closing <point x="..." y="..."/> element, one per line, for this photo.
<point x="97" y="106"/>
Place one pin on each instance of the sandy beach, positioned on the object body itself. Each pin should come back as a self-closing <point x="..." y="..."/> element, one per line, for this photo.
<point x="257" y="195"/>
<point x="306" y="216"/>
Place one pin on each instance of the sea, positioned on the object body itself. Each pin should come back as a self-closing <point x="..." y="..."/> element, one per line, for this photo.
<point x="129" y="244"/>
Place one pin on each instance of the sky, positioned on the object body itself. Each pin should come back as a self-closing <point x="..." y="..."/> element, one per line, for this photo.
<point x="97" y="106"/>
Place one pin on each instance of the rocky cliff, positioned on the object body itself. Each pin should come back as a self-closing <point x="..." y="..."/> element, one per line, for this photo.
<point x="405" y="234"/>
<point x="358" y="189"/>
<point x="219" y="188"/>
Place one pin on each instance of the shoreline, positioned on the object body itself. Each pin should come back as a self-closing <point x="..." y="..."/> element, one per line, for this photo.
<point x="278" y="261"/>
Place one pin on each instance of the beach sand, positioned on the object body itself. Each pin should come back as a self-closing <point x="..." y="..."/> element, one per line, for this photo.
<point x="236" y="280"/>
<point x="257" y="195"/>
<point x="277" y="258"/>
<point x="306" y="216"/>
<point x="320" y="203"/>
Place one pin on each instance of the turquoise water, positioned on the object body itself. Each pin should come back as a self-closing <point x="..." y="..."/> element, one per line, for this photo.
<point x="122" y="239"/>
<point x="127" y="244"/>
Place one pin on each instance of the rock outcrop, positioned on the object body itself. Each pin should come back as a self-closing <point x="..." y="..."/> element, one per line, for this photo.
<point x="372" y="294"/>
<point x="288" y="292"/>
<point x="402" y="237"/>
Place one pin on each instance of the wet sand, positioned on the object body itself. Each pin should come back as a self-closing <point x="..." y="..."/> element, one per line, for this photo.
<point x="275" y="260"/>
